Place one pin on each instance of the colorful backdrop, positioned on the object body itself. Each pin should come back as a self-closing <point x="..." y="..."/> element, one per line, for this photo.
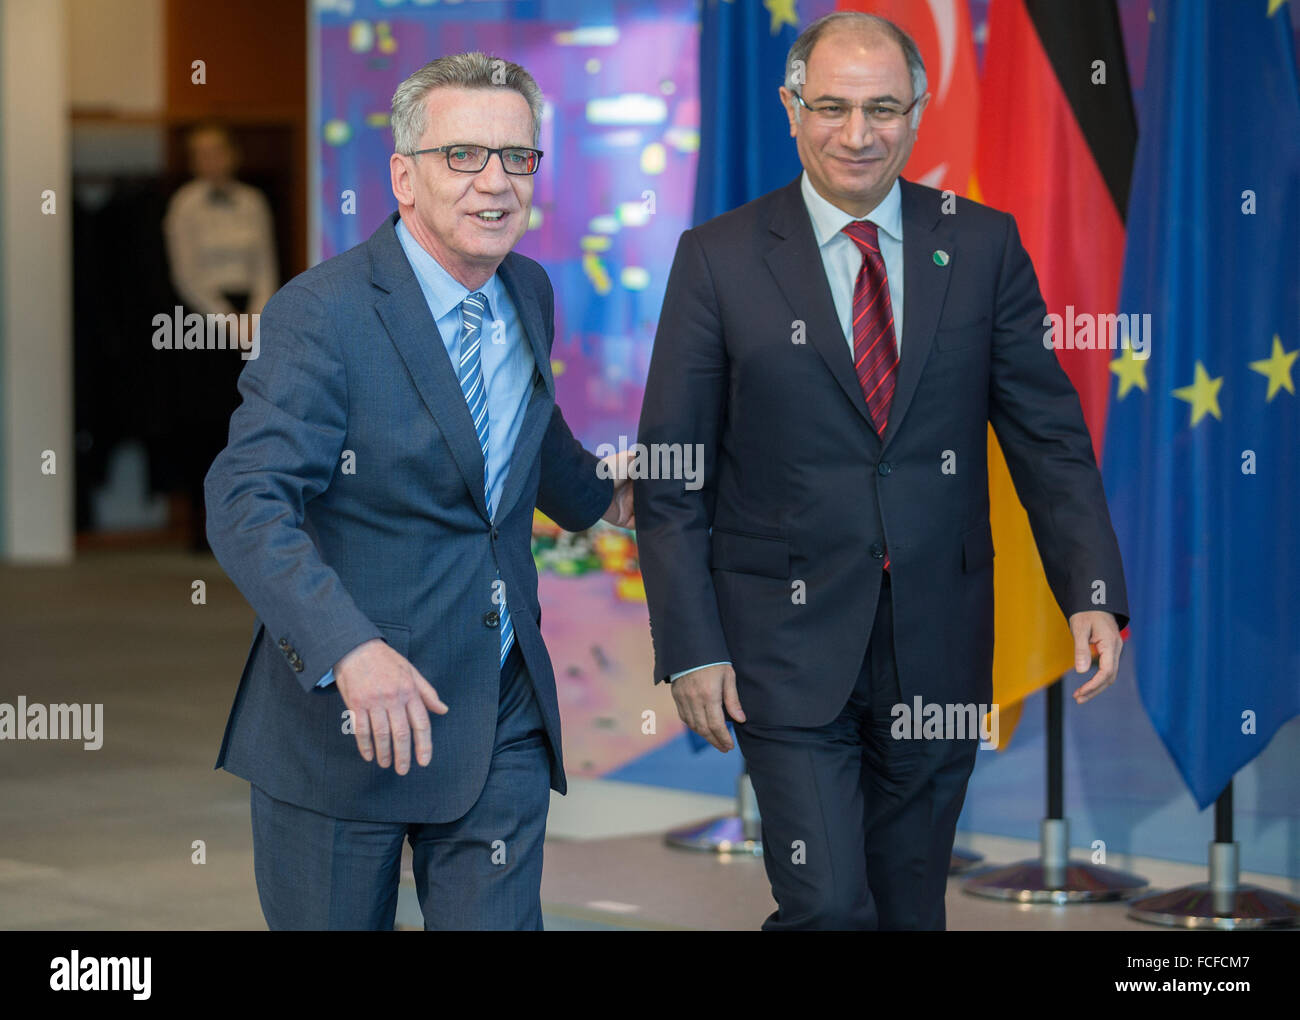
<point x="616" y="188"/>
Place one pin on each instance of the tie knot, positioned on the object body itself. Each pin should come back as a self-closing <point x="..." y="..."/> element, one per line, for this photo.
<point x="471" y="309"/>
<point x="864" y="235"/>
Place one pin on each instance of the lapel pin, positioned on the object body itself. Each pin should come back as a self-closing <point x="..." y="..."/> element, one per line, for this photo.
<point x="940" y="258"/>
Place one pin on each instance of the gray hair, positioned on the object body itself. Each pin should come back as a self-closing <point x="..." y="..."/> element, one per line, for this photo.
<point x="803" y="47"/>
<point x="459" y="70"/>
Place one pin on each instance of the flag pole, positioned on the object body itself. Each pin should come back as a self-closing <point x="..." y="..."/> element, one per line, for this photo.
<point x="1222" y="902"/>
<point x="1052" y="877"/>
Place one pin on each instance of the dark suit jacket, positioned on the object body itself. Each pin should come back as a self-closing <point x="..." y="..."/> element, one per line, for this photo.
<point x="400" y="548"/>
<point x="799" y="488"/>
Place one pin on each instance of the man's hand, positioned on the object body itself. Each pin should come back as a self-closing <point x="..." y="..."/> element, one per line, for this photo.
<point x="1095" y="627"/>
<point x="700" y="696"/>
<point x="389" y="700"/>
<point x="620" y="507"/>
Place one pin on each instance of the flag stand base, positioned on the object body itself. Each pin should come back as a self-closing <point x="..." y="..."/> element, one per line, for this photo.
<point x="963" y="860"/>
<point x="1221" y="903"/>
<point x="1053" y="878"/>
<point x="728" y="834"/>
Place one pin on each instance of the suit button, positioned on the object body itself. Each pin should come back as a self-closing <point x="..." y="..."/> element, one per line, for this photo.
<point x="877" y="551"/>
<point x="491" y="619"/>
<point x="884" y="467"/>
<point x="297" y="665"/>
<point x="495" y="534"/>
<point x="284" y="643"/>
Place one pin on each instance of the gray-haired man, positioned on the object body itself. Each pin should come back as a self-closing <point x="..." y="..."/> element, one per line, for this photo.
<point x="374" y="505"/>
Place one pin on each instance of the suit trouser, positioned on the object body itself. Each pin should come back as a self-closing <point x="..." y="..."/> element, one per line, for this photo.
<point x="857" y="826"/>
<point x="483" y="870"/>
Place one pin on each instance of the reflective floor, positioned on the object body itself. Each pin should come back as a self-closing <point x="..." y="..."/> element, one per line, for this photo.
<point x="143" y="834"/>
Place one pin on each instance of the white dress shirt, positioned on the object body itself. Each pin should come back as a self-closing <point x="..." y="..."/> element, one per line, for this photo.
<point x="220" y="246"/>
<point x="842" y="259"/>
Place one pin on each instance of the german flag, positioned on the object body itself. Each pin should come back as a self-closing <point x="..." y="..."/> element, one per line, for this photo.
<point x="1056" y="141"/>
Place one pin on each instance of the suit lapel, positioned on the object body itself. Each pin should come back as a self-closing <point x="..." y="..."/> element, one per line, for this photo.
<point x="796" y="263"/>
<point x="925" y="285"/>
<point x="541" y="397"/>
<point x="406" y="316"/>
<point x="530" y="315"/>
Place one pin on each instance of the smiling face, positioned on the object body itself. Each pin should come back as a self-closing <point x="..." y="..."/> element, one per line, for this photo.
<point x="453" y="214"/>
<point x="855" y="164"/>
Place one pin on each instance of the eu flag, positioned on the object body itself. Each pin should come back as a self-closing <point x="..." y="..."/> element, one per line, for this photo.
<point x="1202" y="457"/>
<point x="745" y="144"/>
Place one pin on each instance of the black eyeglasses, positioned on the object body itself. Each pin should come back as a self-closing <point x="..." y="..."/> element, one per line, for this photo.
<point x="879" y="115"/>
<point x="470" y="159"/>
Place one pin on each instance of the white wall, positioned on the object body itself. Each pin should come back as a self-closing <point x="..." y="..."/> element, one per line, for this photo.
<point x="100" y="34"/>
<point x="115" y="69"/>
<point x="36" y="509"/>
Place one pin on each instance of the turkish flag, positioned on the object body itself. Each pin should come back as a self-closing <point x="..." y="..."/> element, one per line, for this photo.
<point x="944" y="154"/>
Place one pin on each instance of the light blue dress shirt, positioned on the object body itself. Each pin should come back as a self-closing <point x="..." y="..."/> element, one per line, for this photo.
<point x="506" y="357"/>
<point x="842" y="260"/>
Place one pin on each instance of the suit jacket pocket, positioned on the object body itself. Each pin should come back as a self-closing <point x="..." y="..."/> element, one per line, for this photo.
<point x="977" y="548"/>
<point x="956" y="338"/>
<point x="749" y="554"/>
<point x="397" y="636"/>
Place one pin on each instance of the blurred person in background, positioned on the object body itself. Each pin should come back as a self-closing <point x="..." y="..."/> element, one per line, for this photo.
<point x="221" y="252"/>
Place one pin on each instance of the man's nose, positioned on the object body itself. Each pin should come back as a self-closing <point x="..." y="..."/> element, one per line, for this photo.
<point x="857" y="132"/>
<point x="493" y="177"/>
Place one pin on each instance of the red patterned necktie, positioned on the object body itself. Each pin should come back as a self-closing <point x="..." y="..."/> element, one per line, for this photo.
<point x="875" y="352"/>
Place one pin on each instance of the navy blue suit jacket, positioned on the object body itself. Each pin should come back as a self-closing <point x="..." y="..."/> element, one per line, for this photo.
<point x="348" y="505"/>
<point x="798" y="487"/>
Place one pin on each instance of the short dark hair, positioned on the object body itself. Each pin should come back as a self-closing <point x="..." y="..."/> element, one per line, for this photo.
<point x="802" y="48"/>
<point x="212" y="127"/>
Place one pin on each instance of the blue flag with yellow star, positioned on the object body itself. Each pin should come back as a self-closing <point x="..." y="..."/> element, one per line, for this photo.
<point x="1202" y="456"/>
<point x="745" y="144"/>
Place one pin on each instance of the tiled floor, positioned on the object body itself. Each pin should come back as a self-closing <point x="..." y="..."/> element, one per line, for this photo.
<point x="143" y="834"/>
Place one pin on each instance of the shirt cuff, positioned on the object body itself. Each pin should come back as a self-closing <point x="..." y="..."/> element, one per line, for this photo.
<point x="326" y="680"/>
<point x="674" y="676"/>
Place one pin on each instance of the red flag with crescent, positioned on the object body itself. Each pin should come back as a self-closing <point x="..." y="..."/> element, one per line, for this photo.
<point x="944" y="155"/>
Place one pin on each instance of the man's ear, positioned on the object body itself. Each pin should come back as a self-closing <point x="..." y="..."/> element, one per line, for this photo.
<point x="787" y="100"/>
<point x="920" y="109"/>
<point x="400" y="171"/>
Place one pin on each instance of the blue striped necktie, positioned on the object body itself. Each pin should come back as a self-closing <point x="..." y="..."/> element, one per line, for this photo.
<point x="472" y="310"/>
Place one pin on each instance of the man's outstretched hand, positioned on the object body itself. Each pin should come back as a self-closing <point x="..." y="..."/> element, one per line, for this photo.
<point x="620" y="507"/>
<point x="1095" y="627"/>
<point x="389" y="700"/>
<point x="701" y="696"/>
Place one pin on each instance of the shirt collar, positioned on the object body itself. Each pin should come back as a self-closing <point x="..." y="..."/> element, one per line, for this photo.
<point x="829" y="219"/>
<point x="442" y="290"/>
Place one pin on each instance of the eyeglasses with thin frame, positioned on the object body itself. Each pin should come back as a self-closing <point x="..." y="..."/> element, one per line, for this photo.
<point x="470" y="159"/>
<point x="879" y="115"/>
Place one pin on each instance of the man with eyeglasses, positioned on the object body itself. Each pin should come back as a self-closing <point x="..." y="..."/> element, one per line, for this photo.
<point x="375" y="504"/>
<point x="830" y="587"/>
